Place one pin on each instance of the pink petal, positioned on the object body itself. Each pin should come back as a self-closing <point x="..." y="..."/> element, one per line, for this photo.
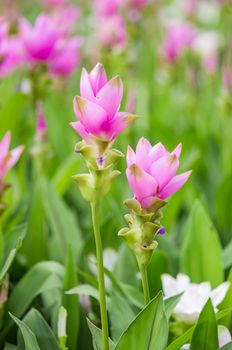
<point x="142" y="184"/>
<point x="90" y="115"/>
<point x="79" y="128"/>
<point x="85" y="86"/>
<point x="142" y="154"/>
<point x="120" y="122"/>
<point x="14" y="156"/>
<point x="175" y="184"/>
<point x="110" y="96"/>
<point x="98" y="77"/>
<point x="177" y="150"/>
<point x="157" y="152"/>
<point x="4" y="145"/>
<point x="130" y="157"/>
<point x="164" y="169"/>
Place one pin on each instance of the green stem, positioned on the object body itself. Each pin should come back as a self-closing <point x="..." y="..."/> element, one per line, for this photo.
<point x="95" y="207"/>
<point x="146" y="293"/>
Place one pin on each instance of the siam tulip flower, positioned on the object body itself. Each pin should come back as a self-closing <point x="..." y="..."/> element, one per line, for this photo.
<point x="39" y="40"/>
<point x="227" y="77"/>
<point x="106" y="7"/>
<point x="54" y="3"/>
<point x="112" y="32"/>
<point x="66" y="18"/>
<point x="66" y="57"/>
<point x="7" y="158"/>
<point x="97" y="109"/>
<point x="151" y="172"/>
<point x="190" y="7"/>
<point x="41" y="127"/>
<point x="179" y="36"/>
<point x="194" y="296"/>
<point x="11" y="55"/>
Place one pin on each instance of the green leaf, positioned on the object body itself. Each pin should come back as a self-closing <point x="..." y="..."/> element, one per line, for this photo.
<point x="227" y="303"/>
<point x="28" y="336"/>
<point x="44" y="335"/>
<point x="64" y="227"/>
<point x="157" y="266"/>
<point x="171" y="303"/>
<point x="40" y="278"/>
<point x="227" y="255"/>
<point x="227" y="346"/>
<point x="85" y="289"/>
<point x="18" y="236"/>
<point x="185" y="338"/>
<point x="149" y="330"/>
<point x="205" y="335"/>
<point x="71" y="302"/>
<point x="97" y="337"/>
<point x="201" y="241"/>
<point x="9" y="346"/>
<point x="120" y="314"/>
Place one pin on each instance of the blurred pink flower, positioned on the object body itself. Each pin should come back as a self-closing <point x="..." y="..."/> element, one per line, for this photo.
<point x="39" y="40"/>
<point x="210" y="63"/>
<point x="8" y="158"/>
<point x="66" y="57"/>
<point x="54" y="3"/>
<point x="179" y="36"/>
<point x="151" y="172"/>
<point x="11" y="54"/>
<point x="97" y="109"/>
<point x="112" y="32"/>
<point x="41" y="127"/>
<point x="107" y="7"/>
<point x="66" y="18"/>
<point x="227" y="77"/>
<point x="190" y="7"/>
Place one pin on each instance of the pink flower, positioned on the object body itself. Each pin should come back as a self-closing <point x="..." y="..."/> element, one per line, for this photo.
<point x="41" y="127"/>
<point x="66" y="57"/>
<point x="227" y="77"/>
<point x="55" y="3"/>
<point x="107" y="7"/>
<point x="66" y="18"/>
<point x="8" y="158"/>
<point x="97" y="109"/>
<point x="11" y="55"/>
<point x="179" y="36"/>
<point x="39" y="41"/>
<point x="151" y="172"/>
<point x="112" y="32"/>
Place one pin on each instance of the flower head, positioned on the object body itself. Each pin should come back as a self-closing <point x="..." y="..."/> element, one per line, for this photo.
<point x="179" y="36"/>
<point x="8" y="158"/>
<point x="39" y="40"/>
<point x="97" y="109"/>
<point x="194" y="296"/>
<point x="151" y="172"/>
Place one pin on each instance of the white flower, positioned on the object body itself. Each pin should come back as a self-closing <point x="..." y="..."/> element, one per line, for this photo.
<point x="194" y="296"/>
<point x="207" y="43"/>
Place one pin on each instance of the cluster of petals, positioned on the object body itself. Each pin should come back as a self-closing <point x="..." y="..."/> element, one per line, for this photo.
<point x="194" y="296"/>
<point x="179" y="36"/>
<point x="97" y="107"/>
<point x="11" y="51"/>
<point x="46" y="42"/>
<point x="151" y="172"/>
<point x="8" y="158"/>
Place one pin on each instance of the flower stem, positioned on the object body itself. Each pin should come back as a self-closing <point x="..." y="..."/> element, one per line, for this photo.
<point x="146" y="293"/>
<point x="95" y="207"/>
